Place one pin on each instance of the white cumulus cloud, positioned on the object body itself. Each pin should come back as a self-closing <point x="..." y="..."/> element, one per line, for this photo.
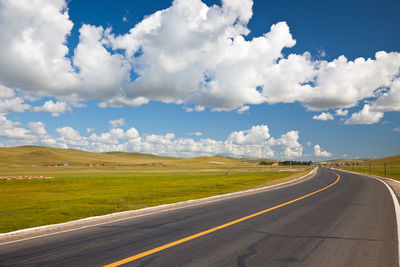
<point x="289" y="141"/>
<point x="321" y="153"/>
<point x="341" y="112"/>
<point x="191" y="54"/>
<point x="6" y="92"/>
<point x="365" y="116"/>
<point x="56" y="108"/>
<point x="253" y="142"/>
<point x="17" y="104"/>
<point x="116" y="123"/>
<point x="324" y="116"/>
<point x="253" y="136"/>
<point x="388" y="100"/>
<point x="33" y="41"/>
<point x="195" y="133"/>
<point x="102" y="73"/>
<point x="243" y="109"/>
<point x="15" y="134"/>
<point x="70" y="136"/>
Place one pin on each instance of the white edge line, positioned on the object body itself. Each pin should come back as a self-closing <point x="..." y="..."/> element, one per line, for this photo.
<point x="188" y="204"/>
<point x="395" y="203"/>
<point x="397" y="211"/>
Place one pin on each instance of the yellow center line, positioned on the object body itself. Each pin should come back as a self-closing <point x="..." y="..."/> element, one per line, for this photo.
<point x="180" y="241"/>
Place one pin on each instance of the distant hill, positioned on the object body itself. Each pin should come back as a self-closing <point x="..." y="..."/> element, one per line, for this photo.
<point x="334" y="161"/>
<point x="210" y="162"/>
<point x="39" y="155"/>
<point x="137" y="155"/>
<point x="248" y="160"/>
<point x="395" y="160"/>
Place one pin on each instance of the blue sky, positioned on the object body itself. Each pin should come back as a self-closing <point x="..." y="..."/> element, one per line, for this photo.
<point x="191" y="78"/>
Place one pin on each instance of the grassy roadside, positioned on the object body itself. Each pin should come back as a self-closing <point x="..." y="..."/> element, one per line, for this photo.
<point x="392" y="172"/>
<point x="385" y="167"/>
<point x="71" y="196"/>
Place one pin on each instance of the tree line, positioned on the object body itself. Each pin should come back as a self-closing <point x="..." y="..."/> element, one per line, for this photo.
<point x="291" y="162"/>
<point x="287" y="162"/>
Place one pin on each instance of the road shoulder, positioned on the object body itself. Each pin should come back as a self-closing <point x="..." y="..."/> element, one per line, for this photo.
<point x="394" y="189"/>
<point x="395" y="185"/>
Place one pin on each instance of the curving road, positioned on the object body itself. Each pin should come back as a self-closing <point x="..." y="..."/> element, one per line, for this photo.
<point x="323" y="221"/>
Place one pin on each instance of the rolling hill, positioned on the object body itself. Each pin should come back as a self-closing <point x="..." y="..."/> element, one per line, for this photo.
<point x="39" y="155"/>
<point x="394" y="160"/>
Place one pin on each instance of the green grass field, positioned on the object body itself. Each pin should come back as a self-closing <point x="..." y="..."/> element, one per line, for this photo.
<point x="127" y="181"/>
<point x="30" y="203"/>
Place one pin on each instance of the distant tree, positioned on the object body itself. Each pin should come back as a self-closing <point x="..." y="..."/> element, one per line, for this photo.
<point x="265" y="163"/>
<point x="291" y="162"/>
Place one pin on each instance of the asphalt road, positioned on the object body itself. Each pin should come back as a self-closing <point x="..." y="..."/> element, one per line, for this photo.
<point x="351" y="223"/>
